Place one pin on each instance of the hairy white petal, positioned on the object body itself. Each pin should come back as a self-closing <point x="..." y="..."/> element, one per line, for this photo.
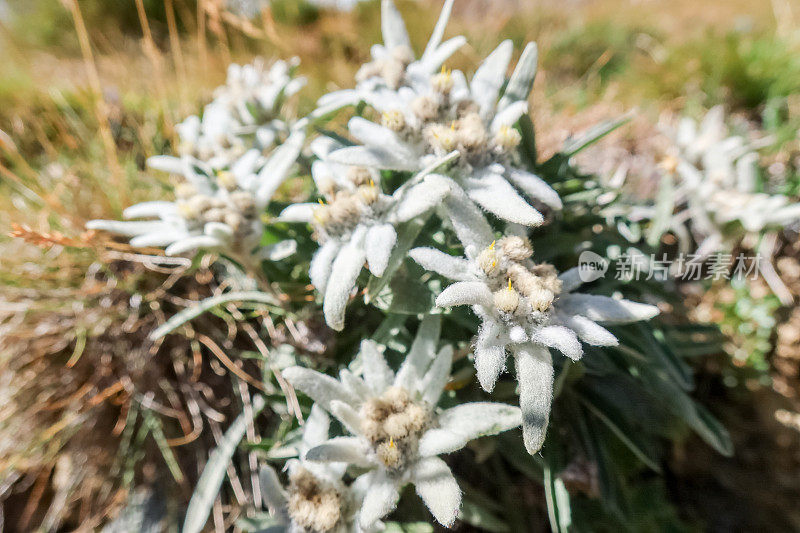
<point x="438" y="374"/>
<point x="372" y="157"/>
<point x="130" y="228"/>
<point x="378" y="244"/>
<point x="319" y="387"/>
<point x="321" y="264"/>
<point x="421" y="197"/>
<point x="455" y="268"/>
<point x="278" y="165"/>
<point x="490" y="76"/>
<point x="479" y="419"/>
<point x="355" y="384"/>
<point x="374" y="135"/>
<point x="166" y="163"/>
<point x="393" y="27"/>
<point x="466" y="293"/>
<point x="521" y="81"/>
<point x="344" y="272"/>
<point x="279" y="250"/>
<point x="468" y="221"/>
<point x="340" y="450"/>
<point x="377" y="374"/>
<point x="219" y="230"/>
<point x="347" y="415"/>
<point x="438" y="30"/>
<point x="303" y="212"/>
<point x="438" y="441"/>
<point x="561" y="338"/>
<point x="605" y="309"/>
<point x="150" y="209"/>
<point x="272" y="493"/>
<point x="435" y="484"/>
<point x="535" y="377"/>
<point x="589" y="331"/>
<point x="430" y="64"/>
<point x="571" y="279"/>
<point x="421" y="353"/>
<point x="157" y="239"/>
<point x="380" y="498"/>
<point x="496" y="195"/>
<point x="490" y="355"/>
<point x="535" y="187"/>
<point x="193" y="243"/>
<point x="316" y="427"/>
<point x="509" y="116"/>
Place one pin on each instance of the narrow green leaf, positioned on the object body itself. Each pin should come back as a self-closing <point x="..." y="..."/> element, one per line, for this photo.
<point x="476" y="515"/>
<point x="210" y="481"/>
<point x="594" y="134"/>
<point x="558" y="505"/>
<point x="665" y="205"/>
<point x="209" y="303"/>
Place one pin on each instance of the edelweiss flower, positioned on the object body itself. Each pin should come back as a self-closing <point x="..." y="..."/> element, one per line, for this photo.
<point x="244" y="114"/>
<point x="475" y="119"/>
<point x="214" y="209"/>
<point x="716" y="190"/>
<point x="397" y="431"/>
<point x="393" y="64"/>
<point x="315" y="500"/>
<point x="524" y="308"/>
<point x="356" y="223"/>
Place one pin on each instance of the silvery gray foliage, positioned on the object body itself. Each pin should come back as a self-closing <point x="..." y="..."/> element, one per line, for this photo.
<point x="356" y="222"/>
<point x="715" y="197"/>
<point x="525" y="309"/>
<point x="245" y="113"/>
<point x="396" y="430"/>
<point x="214" y="209"/>
<point x="393" y="63"/>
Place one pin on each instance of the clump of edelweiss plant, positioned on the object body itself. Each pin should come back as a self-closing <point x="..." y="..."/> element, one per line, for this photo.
<point x="397" y="431"/>
<point x="354" y="221"/>
<point x="716" y="198"/>
<point x="246" y="113"/>
<point x="214" y="209"/>
<point x="525" y="308"/>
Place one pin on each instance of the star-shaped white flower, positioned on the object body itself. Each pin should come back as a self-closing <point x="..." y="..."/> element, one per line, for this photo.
<point x="397" y="431"/>
<point x="393" y="64"/>
<point x="715" y="199"/>
<point x="525" y="308"/>
<point x="476" y="119"/>
<point x="315" y="499"/>
<point x="356" y="223"/>
<point x="214" y="209"/>
<point x="245" y="113"/>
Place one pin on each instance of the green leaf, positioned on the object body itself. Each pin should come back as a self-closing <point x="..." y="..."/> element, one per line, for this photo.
<point x="594" y="134"/>
<point x="406" y="295"/>
<point x="615" y="421"/>
<point x="210" y="481"/>
<point x="209" y="303"/>
<point x="558" y="504"/>
<point x="479" y="516"/>
<point x="665" y="205"/>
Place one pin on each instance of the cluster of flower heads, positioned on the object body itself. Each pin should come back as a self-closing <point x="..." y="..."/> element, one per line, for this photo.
<point x="451" y="147"/>
<point x="396" y="431"/>
<point x="226" y="173"/>
<point x="716" y="198"/>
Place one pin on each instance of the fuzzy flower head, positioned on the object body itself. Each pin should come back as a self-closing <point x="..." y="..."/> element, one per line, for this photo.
<point x="315" y="499"/>
<point x="525" y="308"/>
<point x="354" y="222"/>
<point x="397" y="430"/>
<point x="393" y="64"/>
<point x="213" y="209"/>
<point x="246" y="112"/>
<point x="475" y="119"/>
